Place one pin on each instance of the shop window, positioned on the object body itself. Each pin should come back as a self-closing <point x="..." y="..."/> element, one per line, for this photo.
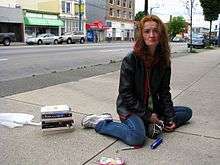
<point x="109" y="24"/>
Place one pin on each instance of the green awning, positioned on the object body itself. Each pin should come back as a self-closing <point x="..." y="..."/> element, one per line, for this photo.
<point x="43" y="21"/>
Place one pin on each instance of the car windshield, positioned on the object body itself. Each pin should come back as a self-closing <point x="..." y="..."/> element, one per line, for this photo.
<point x="197" y="36"/>
<point x="41" y="35"/>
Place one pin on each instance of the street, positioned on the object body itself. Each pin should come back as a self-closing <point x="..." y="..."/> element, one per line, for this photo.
<point x="25" y="68"/>
<point x="25" y="61"/>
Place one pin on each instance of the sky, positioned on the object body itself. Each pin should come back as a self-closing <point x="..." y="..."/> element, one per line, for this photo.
<point x="165" y="8"/>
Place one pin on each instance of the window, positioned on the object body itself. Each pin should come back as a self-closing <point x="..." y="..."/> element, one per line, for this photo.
<point x="130" y="4"/>
<point x="109" y="24"/>
<point x="118" y="2"/>
<point x="130" y="15"/>
<point x="111" y="12"/>
<point x="124" y="3"/>
<point x="111" y="1"/>
<point x="63" y="7"/>
<point x="124" y="14"/>
<point x="68" y="7"/>
<point x="118" y="13"/>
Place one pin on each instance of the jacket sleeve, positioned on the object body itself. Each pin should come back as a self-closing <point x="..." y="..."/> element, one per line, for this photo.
<point x="165" y="96"/>
<point x="127" y="86"/>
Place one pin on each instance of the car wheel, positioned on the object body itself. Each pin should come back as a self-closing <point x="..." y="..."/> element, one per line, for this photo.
<point x="39" y="42"/>
<point x="55" y="42"/>
<point x="82" y="41"/>
<point x="6" y="42"/>
<point x="69" y="41"/>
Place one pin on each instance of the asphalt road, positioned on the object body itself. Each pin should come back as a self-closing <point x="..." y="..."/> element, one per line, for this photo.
<point x="25" y="68"/>
<point x="20" y="62"/>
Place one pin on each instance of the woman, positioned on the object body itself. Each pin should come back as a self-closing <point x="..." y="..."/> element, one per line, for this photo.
<point x="144" y="91"/>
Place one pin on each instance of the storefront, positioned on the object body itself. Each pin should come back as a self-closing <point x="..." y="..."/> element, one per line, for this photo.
<point x="11" y="20"/>
<point x="122" y="31"/>
<point x="96" y="31"/>
<point x="37" y="22"/>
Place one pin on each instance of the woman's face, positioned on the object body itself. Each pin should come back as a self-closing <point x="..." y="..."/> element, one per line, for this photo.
<point x="151" y="33"/>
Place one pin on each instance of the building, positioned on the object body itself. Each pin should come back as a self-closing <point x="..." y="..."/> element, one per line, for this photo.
<point x="72" y="13"/>
<point x="114" y="17"/>
<point x="39" y="22"/>
<point x="96" y="12"/>
<point x="11" y="20"/>
<point x="74" y="18"/>
<point x="120" y="19"/>
<point x="67" y="11"/>
<point x="200" y="30"/>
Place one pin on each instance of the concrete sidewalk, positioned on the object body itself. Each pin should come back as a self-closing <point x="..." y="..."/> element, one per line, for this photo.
<point x="195" y="83"/>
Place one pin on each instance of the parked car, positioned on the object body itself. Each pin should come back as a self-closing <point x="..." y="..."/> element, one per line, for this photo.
<point x="7" y="38"/>
<point x="73" y="37"/>
<point x="178" y="39"/>
<point x="44" y="39"/>
<point x="198" y="41"/>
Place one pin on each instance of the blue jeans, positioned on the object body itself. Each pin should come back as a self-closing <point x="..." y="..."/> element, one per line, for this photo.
<point x="132" y="130"/>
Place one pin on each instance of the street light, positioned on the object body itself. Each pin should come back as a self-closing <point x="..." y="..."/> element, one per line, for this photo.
<point x="80" y="15"/>
<point x="151" y="9"/>
<point x="191" y="7"/>
<point x="146" y="7"/>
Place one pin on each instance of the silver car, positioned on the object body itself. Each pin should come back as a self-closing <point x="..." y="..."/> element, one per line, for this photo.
<point x="47" y="38"/>
<point x="198" y="41"/>
<point x="73" y="37"/>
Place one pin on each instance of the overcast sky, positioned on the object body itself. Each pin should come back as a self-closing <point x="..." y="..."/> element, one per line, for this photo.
<point x="165" y="8"/>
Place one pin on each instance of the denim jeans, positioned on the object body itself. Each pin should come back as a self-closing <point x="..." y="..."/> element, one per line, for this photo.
<point x="132" y="130"/>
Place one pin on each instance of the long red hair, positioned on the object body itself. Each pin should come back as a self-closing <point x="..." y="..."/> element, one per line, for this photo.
<point x="163" y="48"/>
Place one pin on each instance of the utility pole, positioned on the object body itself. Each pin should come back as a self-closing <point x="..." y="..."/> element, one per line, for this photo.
<point x="146" y="7"/>
<point x="191" y="7"/>
<point x="219" y="34"/>
<point x="80" y="15"/>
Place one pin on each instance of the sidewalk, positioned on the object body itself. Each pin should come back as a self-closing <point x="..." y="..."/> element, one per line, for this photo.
<point x="195" y="83"/>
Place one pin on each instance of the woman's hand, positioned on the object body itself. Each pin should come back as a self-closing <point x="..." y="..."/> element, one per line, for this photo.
<point x="154" y="118"/>
<point x="170" y="127"/>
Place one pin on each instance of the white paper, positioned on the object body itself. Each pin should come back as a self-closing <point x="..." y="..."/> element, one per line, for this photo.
<point x="13" y="120"/>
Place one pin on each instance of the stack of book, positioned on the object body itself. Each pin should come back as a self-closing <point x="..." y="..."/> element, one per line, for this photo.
<point x="57" y="117"/>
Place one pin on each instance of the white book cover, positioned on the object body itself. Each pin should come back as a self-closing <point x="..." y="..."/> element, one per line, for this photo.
<point x="55" y="109"/>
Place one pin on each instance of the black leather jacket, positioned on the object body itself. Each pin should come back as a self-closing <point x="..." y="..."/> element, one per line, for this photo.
<point x="131" y="89"/>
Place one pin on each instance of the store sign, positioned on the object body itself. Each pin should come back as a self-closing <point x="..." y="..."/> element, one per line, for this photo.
<point x="98" y="25"/>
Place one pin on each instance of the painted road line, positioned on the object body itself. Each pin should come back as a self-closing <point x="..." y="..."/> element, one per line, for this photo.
<point x="111" y="50"/>
<point x="3" y="59"/>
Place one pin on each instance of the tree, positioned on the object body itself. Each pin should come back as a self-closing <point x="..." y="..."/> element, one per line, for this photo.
<point x="139" y="15"/>
<point x="176" y="26"/>
<point x="211" y="9"/>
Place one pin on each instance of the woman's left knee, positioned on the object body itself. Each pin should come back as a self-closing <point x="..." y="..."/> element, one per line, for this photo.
<point x="188" y="113"/>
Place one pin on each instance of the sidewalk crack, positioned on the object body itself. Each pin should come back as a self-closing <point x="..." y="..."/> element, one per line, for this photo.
<point x="194" y="82"/>
<point x="195" y="134"/>
<point x="100" y="151"/>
